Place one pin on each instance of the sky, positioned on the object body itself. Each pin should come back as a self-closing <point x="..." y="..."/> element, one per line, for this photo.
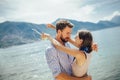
<point x="47" y="11"/>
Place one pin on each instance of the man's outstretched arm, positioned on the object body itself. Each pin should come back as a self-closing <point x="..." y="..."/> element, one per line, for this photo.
<point x="64" y="76"/>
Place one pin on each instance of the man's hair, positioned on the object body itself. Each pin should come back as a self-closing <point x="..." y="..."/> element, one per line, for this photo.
<point x="62" y="24"/>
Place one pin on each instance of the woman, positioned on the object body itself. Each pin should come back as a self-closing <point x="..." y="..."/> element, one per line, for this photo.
<point x="83" y="41"/>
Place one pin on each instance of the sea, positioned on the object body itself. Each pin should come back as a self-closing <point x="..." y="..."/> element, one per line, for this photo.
<point x="28" y="61"/>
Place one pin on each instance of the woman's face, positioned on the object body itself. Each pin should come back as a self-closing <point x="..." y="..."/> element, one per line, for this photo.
<point x="78" y="40"/>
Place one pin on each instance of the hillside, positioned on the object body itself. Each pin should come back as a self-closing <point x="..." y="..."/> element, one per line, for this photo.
<point x="15" y="33"/>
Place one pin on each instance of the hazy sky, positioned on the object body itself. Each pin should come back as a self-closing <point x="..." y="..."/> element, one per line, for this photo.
<point x="47" y="11"/>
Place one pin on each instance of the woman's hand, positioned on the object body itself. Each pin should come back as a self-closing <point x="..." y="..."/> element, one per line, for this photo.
<point x="51" y="26"/>
<point x="45" y="36"/>
<point x="48" y="36"/>
<point x="95" y="47"/>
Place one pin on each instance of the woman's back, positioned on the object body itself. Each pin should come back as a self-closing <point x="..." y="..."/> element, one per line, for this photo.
<point x="80" y="71"/>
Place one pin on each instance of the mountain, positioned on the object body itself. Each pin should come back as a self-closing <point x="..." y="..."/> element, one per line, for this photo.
<point x="114" y="22"/>
<point x="116" y="19"/>
<point x="15" y="33"/>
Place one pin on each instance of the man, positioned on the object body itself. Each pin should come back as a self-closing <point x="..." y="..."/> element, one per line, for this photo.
<point x="60" y="62"/>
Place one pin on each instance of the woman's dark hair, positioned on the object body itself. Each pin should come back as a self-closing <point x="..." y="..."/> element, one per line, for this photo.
<point x="61" y="24"/>
<point x="86" y="36"/>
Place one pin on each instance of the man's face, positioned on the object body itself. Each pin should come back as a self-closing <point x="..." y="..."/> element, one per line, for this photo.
<point x="65" y="34"/>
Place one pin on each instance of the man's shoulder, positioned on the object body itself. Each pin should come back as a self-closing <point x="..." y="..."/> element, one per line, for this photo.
<point x="50" y="49"/>
<point x="67" y="45"/>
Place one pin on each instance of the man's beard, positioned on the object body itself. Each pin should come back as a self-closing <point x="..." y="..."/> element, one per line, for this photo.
<point x="63" y="39"/>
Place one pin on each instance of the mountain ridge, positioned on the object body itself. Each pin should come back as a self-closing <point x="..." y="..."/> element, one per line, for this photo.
<point x="16" y="33"/>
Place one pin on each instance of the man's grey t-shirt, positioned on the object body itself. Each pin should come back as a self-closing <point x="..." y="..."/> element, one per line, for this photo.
<point x="58" y="61"/>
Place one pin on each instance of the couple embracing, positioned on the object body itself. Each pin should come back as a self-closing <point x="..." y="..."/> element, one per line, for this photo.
<point x="67" y="63"/>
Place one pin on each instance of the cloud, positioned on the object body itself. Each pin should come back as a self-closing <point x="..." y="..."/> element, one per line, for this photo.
<point x="116" y="13"/>
<point x="2" y="19"/>
<point x="83" y="13"/>
<point x="39" y="11"/>
<point x="45" y="11"/>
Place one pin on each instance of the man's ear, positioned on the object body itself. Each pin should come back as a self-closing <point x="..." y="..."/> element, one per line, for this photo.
<point x="59" y="32"/>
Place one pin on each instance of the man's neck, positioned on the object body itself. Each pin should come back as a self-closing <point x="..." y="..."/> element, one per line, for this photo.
<point x="59" y="40"/>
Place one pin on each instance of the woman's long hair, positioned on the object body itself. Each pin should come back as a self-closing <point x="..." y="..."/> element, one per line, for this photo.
<point x="86" y="36"/>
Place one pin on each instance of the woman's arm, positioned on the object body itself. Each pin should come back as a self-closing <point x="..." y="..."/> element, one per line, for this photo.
<point x="94" y="45"/>
<point x="70" y="40"/>
<point x="51" y="26"/>
<point x="79" y="55"/>
<point x="72" y="52"/>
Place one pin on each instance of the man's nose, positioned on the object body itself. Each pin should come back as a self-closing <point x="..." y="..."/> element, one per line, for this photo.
<point x="69" y="35"/>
